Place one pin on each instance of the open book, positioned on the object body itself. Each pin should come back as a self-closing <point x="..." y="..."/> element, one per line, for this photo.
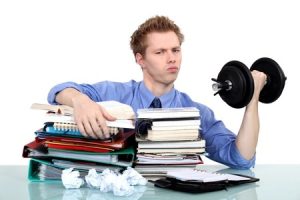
<point x="115" y="108"/>
<point x="62" y="115"/>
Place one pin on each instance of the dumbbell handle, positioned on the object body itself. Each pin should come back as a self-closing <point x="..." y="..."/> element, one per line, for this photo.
<point x="227" y="85"/>
<point x="219" y="86"/>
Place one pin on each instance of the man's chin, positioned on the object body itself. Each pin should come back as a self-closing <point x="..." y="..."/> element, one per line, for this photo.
<point x="170" y="81"/>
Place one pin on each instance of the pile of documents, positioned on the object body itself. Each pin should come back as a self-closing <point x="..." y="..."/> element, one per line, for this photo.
<point x="58" y="144"/>
<point x="168" y="139"/>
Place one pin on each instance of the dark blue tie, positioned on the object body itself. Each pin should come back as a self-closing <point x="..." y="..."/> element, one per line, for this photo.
<point x="155" y="103"/>
<point x="143" y="125"/>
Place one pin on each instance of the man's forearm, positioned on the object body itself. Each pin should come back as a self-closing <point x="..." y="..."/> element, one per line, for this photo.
<point x="67" y="96"/>
<point x="248" y="134"/>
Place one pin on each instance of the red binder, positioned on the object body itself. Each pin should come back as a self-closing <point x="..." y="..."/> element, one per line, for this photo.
<point x="80" y="144"/>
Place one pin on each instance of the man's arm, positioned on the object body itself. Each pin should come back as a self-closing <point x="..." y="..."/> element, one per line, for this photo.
<point x="247" y="137"/>
<point x="89" y="116"/>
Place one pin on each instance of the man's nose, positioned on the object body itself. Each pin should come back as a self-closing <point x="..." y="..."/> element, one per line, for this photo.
<point x="171" y="56"/>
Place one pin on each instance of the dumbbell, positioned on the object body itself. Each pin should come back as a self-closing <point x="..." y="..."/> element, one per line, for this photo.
<point x="235" y="83"/>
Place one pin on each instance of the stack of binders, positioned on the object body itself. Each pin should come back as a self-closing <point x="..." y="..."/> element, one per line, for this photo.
<point x="59" y="144"/>
<point x="168" y="139"/>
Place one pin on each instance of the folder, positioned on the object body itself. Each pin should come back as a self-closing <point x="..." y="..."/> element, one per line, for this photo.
<point x="50" y="170"/>
<point x="199" y="181"/>
<point x="123" y="157"/>
<point x="70" y="130"/>
<point x="33" y="170"/>
<point x="122" y="140"/>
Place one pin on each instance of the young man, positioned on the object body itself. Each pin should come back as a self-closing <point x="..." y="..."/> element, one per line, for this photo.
<point x="156" y="45"/>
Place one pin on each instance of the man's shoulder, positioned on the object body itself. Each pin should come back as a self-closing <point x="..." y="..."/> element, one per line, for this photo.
<point x="187" y="101"/>
<point x="108" y="83"/>
<point x="132" y="83"/>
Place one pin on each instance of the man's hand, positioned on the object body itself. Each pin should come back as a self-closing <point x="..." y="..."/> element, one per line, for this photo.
<point x="259" y="79"/>
<point x="91" y="118"/>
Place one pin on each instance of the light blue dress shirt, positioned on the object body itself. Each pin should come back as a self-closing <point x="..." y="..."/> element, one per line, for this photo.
<point x="220" y="142"/>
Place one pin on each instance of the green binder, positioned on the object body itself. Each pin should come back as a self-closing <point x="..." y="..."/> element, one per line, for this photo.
<point x="124" y="157"/>
<point x="34" y="170"/>
<point x="41" y="168"/>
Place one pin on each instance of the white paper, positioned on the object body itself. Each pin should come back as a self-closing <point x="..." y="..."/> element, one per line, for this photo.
<point x="203" y="176"/>
<point x="107" y="181"/>
<point x="70" y="179"/>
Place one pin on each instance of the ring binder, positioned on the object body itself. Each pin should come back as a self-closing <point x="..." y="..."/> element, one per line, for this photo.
<point x="69" y="128"/>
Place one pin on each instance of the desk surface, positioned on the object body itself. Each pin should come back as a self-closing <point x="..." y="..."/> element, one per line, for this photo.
<point x="276" y="182"/>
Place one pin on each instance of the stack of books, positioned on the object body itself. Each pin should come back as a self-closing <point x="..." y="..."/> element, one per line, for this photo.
<point x="168" y="139"/>
<point x="59" y="144"/>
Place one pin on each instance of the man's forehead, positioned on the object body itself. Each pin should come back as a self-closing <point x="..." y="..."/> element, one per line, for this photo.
<point x="162" y="40"/>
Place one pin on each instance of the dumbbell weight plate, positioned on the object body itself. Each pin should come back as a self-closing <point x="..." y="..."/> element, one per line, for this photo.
<point x="275" y="81"/>
<point x="242" y="84"/>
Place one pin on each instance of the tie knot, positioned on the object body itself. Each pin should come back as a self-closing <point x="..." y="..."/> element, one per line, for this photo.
<point x="155" y="103"/>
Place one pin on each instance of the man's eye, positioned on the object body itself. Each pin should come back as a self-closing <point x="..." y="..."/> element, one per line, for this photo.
<point x="158" y="52"/>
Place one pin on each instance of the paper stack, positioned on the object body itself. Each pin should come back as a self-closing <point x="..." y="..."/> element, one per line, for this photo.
<point x="168" y="139"/>
<point x="59" y="144"/>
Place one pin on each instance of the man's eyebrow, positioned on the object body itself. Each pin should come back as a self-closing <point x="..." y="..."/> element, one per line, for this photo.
<point x="160" y="49"/>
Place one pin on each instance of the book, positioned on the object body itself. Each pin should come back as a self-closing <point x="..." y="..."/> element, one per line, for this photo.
<point x="172" y="135"/>
<point x="170" y="122"/>
<point x="171" y="144"/>
<point x="157" y="171"/>
<point x="187" y="159"/>
<point x="159" y="113"/>
<point x="115" y="108"/>
<point x="182" y="122"/>
<point x="163" y="133"/>
<point x="172" y="150"/>
<point x="145" y="131"/>
<point x="166" y="124"/>
<point x="169" y="128"/>
<point x="58" y="109"/>
<point x="64" y="123"/>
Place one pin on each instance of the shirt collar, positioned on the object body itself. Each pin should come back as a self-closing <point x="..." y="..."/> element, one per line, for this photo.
<point x="147" y="96"/>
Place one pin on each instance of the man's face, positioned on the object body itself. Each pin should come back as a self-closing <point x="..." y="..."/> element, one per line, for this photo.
<point x="162" y="59"/>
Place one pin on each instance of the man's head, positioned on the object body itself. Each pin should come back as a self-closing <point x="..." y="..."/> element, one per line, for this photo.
<point x="157" y="49"/>
<point x="160" y="24"/>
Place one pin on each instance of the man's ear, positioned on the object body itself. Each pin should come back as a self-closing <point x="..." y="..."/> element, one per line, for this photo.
<point x="139" y="59"/>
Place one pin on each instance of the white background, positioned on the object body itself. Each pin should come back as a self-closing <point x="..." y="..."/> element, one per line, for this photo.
<point x="43" y="43"/>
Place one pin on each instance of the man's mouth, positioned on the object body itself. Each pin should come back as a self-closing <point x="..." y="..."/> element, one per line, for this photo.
<point x="172" y="69"/>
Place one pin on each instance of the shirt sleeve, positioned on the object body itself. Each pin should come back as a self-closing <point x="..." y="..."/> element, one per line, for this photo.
<point x="101" y="91"/>
<point x="220" y="142"/>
